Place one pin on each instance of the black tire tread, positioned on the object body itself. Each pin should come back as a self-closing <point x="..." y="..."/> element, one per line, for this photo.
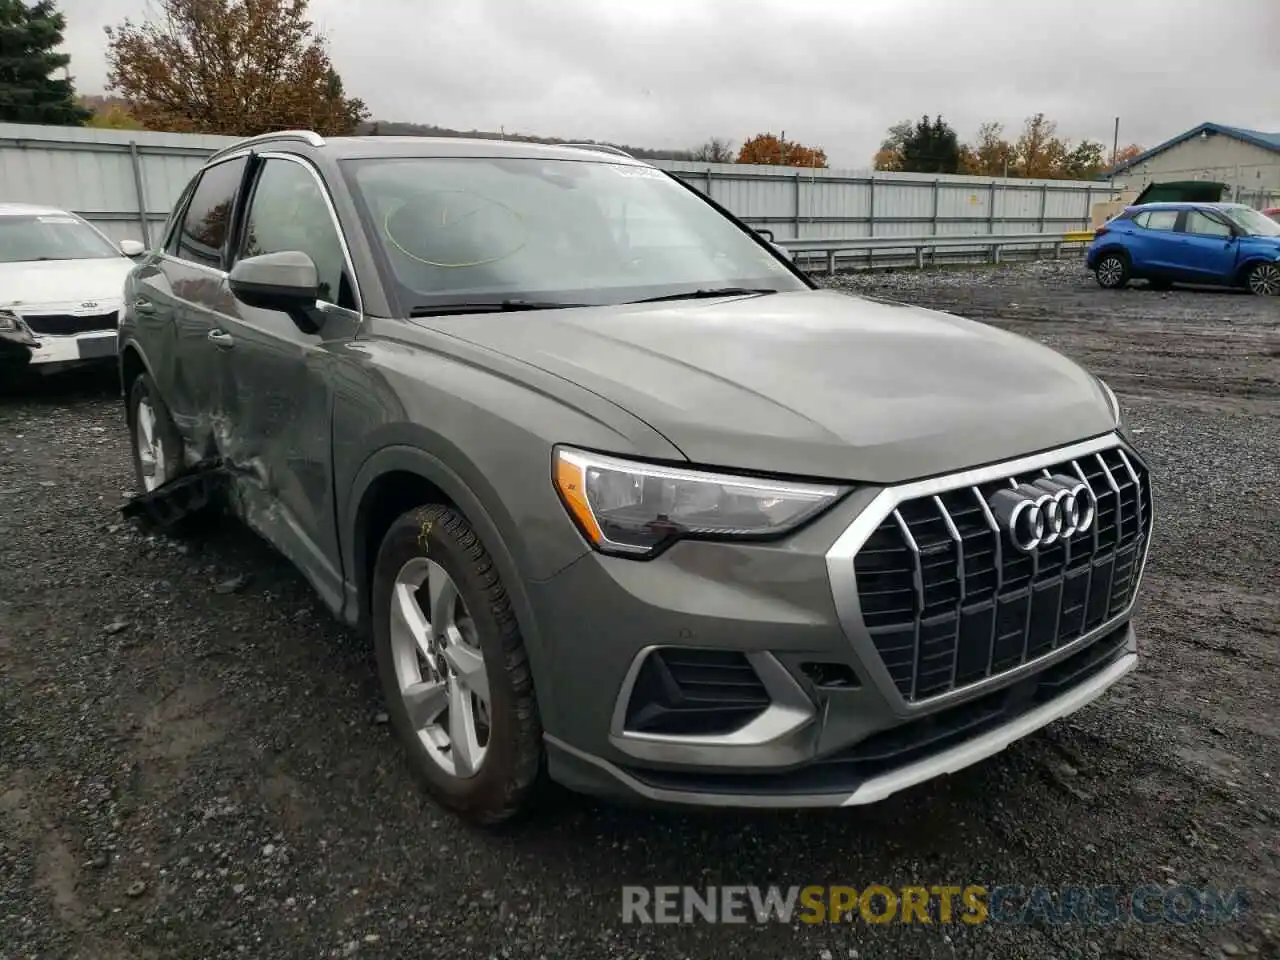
<point x="1123" y="257"/>
<point x="1248" y="277"/>
<point x="164" y="422"/>
<point x="527" y="767"/>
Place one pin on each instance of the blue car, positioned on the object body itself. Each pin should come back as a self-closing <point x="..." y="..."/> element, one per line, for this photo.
<point x="1224" y="244"/>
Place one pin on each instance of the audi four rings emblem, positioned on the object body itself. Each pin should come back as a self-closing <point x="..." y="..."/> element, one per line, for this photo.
<point x="1040" y="514"/>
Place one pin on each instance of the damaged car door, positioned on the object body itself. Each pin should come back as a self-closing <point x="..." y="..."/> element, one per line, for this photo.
<point x="175" y="298"/>
<point x="276" y="370"/>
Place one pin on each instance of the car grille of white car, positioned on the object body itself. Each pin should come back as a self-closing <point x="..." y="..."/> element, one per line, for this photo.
<point x="68" y="325"/>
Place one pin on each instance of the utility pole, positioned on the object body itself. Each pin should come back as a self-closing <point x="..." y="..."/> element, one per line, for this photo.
<point x="1115" y="152"/>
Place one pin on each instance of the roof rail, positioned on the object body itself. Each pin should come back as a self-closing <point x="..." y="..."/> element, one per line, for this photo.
<point x="307" y="136"/>
<point x="599" y="148"/>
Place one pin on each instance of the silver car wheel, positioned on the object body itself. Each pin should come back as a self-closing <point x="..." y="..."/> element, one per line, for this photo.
<point x="1264" y="280"/>
<point x="1110" y="271"/>
<point x="150" y="447"/>
<point x="439" y="667"/>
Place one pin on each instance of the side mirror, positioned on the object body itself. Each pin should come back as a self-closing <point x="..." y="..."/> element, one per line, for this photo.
<point x="132" y="248"/>
<point x="285" y="281"/>
<point x="766" y="233"/>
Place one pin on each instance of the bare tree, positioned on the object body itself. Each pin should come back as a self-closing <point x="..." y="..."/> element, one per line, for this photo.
<point x="715" y="150"/>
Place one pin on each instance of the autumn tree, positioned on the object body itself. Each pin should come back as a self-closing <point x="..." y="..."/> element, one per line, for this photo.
<point x="1038" y="152"/>
<point x="108" y="113"/>
<point x="990" y="154"/>
<point x="889" y="156"/>
<point x="1084" y="161"/>
<point x="29" y="39"/>
<point x="231" y="67"/>
<point x="715" y="150"/>
<point x="931" y="147"/>
<point x="1125" y="154"/>
<point x="775" y="151"/>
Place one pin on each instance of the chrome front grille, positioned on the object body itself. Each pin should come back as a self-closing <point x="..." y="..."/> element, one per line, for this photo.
<point x="947" y="599"/>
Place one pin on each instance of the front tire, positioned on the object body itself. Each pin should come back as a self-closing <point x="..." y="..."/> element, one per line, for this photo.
<point x="1112" y="271"/>
<point x="453" y="667"/>
<point x="157" y="447"/>
<point x="1264" y="279"/>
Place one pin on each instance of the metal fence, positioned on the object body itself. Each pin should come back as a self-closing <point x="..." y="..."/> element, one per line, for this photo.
<point x="799" y="203"/>
<point x="126" y="181"/>
<point x="892" y="251"/>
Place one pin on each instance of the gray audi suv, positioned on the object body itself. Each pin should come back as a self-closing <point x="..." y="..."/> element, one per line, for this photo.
<point x="619" y="496"/>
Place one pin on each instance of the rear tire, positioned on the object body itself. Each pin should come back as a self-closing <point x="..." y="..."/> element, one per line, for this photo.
<point x="1264" y="279"/>
<point x="157" y="446"/>
<point x="1112" y="271"/>
<point x="447" y="640"/>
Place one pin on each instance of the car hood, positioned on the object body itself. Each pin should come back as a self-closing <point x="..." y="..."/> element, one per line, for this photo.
<point x="48" y="282"/>
<point x="813" y="383"/>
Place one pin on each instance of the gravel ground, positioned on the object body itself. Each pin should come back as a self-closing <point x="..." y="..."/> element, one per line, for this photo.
<point x="192" y="762"/>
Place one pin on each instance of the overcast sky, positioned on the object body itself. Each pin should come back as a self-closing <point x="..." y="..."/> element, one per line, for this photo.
<point x="831" y="73"/>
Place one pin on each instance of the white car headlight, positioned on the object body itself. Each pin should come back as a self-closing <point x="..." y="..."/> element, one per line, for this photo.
<point x="637" y="509"/>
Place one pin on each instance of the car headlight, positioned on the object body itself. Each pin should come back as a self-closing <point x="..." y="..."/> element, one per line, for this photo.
<point x="637" y="509"/>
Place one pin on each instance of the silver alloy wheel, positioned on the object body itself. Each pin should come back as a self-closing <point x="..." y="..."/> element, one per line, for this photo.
<point x="1110" y="271"/>
<point x="150" y="446"/>
<point x="1264" y="280"/>
<point x="439" y="667"/>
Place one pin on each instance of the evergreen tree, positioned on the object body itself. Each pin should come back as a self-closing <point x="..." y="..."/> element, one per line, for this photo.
<point x="932" y="147"/>
<point x="29" y="39"/>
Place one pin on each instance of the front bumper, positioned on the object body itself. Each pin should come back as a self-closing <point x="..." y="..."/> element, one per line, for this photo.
<point x="61" y="334"/>
<point x="848" y="787"/>
<point x="773" y="634"/>
<point x="86" y="347"/>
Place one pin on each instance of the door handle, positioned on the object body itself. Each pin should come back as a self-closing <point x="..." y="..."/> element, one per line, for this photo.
<point x="142" y="305"/>
<point x="222" y="339"/>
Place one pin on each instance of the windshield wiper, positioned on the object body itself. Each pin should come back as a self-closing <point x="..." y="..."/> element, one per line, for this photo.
<point x="707" y="294"/>
<point x="489" y="306"/>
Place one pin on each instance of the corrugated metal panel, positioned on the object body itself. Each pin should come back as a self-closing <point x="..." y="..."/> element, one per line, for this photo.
<point x="903" y="200"/>
<point x="164" y="178"/>
<point x="1068" y="205"/>
<point x="964" y="202"/>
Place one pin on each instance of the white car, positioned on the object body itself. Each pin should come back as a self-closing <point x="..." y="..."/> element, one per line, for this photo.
<point x="61" y="288"/>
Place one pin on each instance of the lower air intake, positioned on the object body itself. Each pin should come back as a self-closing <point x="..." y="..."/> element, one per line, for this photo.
<point x="689" y="692"/>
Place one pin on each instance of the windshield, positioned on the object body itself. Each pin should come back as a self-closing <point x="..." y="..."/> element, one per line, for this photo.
<point x="581" y="232"/>
<point x="1252" y="222"/>
<point x="51" y="237"/>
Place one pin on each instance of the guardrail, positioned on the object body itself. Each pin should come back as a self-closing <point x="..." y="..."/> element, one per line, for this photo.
<point x="992" y="244"/>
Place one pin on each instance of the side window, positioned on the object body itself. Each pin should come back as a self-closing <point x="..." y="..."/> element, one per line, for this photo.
<point x="1157" y="219"/>
<point x="1205" y="225"/>
<point x="288" y="212"/>
<point x="172" y="227"/>
<point x="208" y="217"/>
